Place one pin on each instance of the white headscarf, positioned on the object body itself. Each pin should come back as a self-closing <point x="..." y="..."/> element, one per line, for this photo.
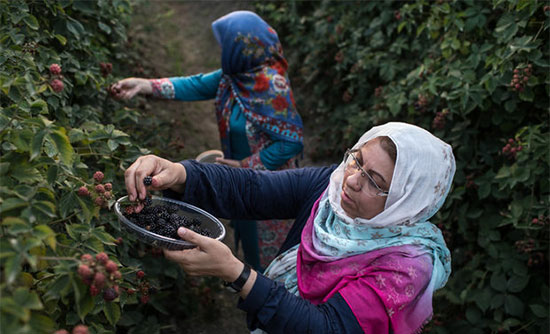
<point x="422" y="176"/>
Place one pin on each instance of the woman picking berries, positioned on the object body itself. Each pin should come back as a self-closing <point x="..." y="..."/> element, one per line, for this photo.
<point x="257" y="118"/>
<point x="361" y="255"/>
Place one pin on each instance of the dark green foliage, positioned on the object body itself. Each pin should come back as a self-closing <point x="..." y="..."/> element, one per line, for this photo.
<point x="476" y="74"/>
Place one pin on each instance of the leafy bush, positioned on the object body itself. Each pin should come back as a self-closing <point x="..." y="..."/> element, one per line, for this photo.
<point x="475" y="73"/>
<point x="64" y="146"/>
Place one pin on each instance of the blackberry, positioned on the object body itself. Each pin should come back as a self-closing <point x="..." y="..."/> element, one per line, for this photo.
<point x="148" y="180"/>
<point x="163" y="220"/>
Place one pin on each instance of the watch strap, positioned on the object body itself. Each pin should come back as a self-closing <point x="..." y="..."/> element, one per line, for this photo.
<point x="238" y="284"/>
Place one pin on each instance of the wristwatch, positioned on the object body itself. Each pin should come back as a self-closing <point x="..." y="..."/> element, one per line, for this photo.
<point x="237" y="285"/>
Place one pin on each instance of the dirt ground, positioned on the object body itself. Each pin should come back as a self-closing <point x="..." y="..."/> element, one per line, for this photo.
<point x="175" y="39"/>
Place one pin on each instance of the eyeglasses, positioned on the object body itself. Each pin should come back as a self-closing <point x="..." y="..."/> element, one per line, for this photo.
<point x="370" y="187"/>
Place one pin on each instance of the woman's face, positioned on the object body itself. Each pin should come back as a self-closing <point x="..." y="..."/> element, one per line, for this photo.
<point x="355" y="201"/>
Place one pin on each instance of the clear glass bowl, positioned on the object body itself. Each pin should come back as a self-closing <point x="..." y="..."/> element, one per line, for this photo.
<point x="208" y="222"/>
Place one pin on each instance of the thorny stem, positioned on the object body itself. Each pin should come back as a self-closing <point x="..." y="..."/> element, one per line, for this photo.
<point x="56" y="258"/>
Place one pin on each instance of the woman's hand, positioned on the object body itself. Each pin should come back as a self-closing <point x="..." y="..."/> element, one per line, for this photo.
<point x="127" y="88"/>
<point x="229" y="162"/>
<point x="165" y="174"/>
<point x="210" y="258"/>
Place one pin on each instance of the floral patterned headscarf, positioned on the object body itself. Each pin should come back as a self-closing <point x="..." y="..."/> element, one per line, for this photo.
<point x="255" y="76"/>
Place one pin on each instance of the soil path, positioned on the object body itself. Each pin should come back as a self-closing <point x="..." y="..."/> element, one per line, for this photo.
<point x="175" y="39"/>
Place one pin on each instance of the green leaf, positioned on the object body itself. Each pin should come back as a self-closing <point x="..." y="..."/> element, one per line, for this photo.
<point x="112" y="312"/>
<point x="46" y="207"/>
<point x="61" y="39"/>
<point x="59" y="288"/>
<point x="44" y="232"/>
<point x="104" y="237"/>
<point x="67" y="203"/>
<point x="52" y="174"/>
<point x="42" y="323"/>
<point x="63" y="146"/>
<point x="539" y="310"/>
<point x="12" y="267"/>
<point x="12" y="203"/>
<point x="75" y="230"/>
<point x="86" y="305"/>
<point x="9" y="306"/>
<point x="27" y="299"/>
<point x="31" y="22"/>
<point x="513" y="305"/>
<point x="517" y="283"/>
<point x="497" y="301"/>
<point x="41" y="105"/>
<point x="16" y="225"/>
<point x="498" y="282"/>
<point x="37" y="142"/>
<point x="104" y="27"/>
<point x="473" y="315"/>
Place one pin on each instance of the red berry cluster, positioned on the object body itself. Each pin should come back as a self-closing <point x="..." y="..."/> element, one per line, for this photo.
<point x="101" y="193"/>
<point x="511" y="149"/>
<point x="440" y="119"/>
<point x="521" y="76"/>
<point x="541" y="221"/>
<point x="56" y="83"/>
<point x="421" y="103"/>
<point x="378" y="91"/>
<point x="397" y="15"/>
<point x="143" y="288"/>
<point x="100" y="274"/>
<point x="78" y="329"/>
<point x="546" y="9"/>
<point x="106" y="69"/>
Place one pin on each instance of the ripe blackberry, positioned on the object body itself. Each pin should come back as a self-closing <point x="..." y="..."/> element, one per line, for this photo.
<point x="148" y="180"/>
<point x="109" y="294"/>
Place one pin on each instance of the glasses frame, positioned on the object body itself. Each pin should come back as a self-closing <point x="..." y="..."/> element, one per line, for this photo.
<point x="349" y="152"/>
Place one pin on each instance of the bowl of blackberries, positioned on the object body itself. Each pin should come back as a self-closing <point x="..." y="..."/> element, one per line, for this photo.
<point x="159" y="219"/>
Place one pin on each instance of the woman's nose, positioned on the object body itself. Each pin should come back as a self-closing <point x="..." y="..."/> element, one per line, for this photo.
<point x="354" y="181"/>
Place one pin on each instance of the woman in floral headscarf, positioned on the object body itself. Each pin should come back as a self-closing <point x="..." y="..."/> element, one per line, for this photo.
<point x="257" y="118"/>
<point x="361" y="255"/>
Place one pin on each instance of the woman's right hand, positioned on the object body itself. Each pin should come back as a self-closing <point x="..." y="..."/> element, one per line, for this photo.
<point x="165" y="174"/>
<point x="127" y="88"/>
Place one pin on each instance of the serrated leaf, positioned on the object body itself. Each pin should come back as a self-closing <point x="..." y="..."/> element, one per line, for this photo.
<point x="9" y="306"/>
<point x="104" y="237"/>
<point x="513" y="305"/>
<point x="539" y="310"/>
<point x="40" y="322"/>
<point x="112" y="312"/>
<point x="31" y="22"/>
<point x="86" y="305"/>
<point x="517" y="283"/>
<point x="67" y="203"/>
<point x="45" y="233"/>
<point x="52" y="174"/>
<point x="61" y="39"/>
<point x="12" y="203"/>
<point x="498" y="282"/>
<point x="59" y="288"/>
<point x="37" y="142"/>
<point x="27" y="299"/>
<point x="104" y="27"/>
<point x="63" y="146"/>
<point x="46" y="207"/>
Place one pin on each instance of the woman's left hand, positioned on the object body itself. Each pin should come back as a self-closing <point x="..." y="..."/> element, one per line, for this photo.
<point x="229" y="162"/>
<point x="210" y="258"/>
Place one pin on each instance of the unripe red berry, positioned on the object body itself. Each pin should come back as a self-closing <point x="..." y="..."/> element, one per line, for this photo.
<point x="516" y="71"/>
<point x="83" y="191"/>
<point x="94" y="290"/>
<point x="55" y="69"/>
<point x="118" y="241"/>
<point x="61" y="331"/>
<point x="140" y="274"/>
<point x="107" y="195"/>
<point x="526" y="70"/>
<point x="102" y="258"/>
<point x="117" y="275"/>
<point x="99" y="201"/>
<point x="86" y="258"/>
<point x="100" y="188"/>
<point x="57" y="85"/>
<point x="80" y="329"/>
<point x="516" y="76"/>
<point x="98" y="176"/>
<point x="535" y="220"/>
<point x="130" y="291"/>
<point x="108" y="186"/>
<point x="99" y="280"/>
<point x="511" y="140"/>
<point x="518" y="86"/>
<point x="111" y="266"/>
<point x="144" y="299"/>
<point x="84" y="271"/>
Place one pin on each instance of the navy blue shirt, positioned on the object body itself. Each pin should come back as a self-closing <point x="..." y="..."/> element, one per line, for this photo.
<point x="243" y="193"/>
